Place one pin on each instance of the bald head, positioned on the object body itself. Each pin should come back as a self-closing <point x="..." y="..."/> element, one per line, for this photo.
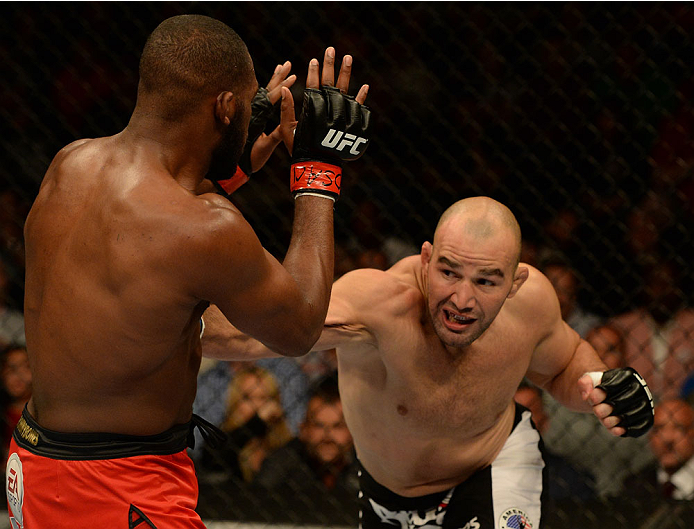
<point x="189" y="58"/>
<point x="482" y="218"/>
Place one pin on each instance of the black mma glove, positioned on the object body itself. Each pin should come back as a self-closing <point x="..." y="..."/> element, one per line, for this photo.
<point x="333" y="127"/>
<point x="628" y="393"/>
<point x="261" y="111"/>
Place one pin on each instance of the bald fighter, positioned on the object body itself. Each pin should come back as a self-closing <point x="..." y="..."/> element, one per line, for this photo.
<point x="430" y="353"/>
<point x="123" y="257"/>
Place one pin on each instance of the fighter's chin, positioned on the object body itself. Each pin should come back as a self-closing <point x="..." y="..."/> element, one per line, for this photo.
<point x="455" y="339"/>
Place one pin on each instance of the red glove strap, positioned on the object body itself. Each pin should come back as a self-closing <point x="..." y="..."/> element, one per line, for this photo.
<point x="318" y="176"/>
<point x="232" y="184"/>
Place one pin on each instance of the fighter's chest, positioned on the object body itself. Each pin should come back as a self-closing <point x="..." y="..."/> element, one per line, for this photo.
<point x="428" y="385"/>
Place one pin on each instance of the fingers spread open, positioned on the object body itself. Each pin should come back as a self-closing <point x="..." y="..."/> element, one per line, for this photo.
<point x="363" y="92"/>
<point x="345" y="73"/>
<point x="287" y="119"/>
<point x="328" y="77"/>
<point x="312" y="77"/>
<point x="280" y="73"/>
<point x="278" y="80"/>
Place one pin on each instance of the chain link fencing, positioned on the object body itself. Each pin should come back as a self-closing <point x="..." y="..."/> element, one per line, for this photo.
<point x="578" y="116"/>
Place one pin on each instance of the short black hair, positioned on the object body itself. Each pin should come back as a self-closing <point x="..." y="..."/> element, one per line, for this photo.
<point x="189" y="57"/>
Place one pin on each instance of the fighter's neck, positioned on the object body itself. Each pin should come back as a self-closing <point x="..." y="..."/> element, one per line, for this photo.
<point x="179" y="153"/>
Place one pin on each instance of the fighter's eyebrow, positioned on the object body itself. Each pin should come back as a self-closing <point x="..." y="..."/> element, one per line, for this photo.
<point x="448" y="262"/>
<point x="491" y="272"/>
<point x="487" y="272"/>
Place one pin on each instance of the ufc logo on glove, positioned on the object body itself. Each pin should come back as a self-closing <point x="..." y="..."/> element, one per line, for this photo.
<point x="333" y="136"/>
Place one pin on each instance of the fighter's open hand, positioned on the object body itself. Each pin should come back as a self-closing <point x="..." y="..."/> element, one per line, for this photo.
<point x="333" y="128"/>
<point x="620" y="399"/>
<point x="265" y="144"/>
<point x="316" y="80"/>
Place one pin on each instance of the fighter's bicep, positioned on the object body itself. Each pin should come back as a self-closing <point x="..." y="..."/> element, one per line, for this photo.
<point x="266" y="303"/>
<point x="553" y="353"/>
<point x="349" y="313"/>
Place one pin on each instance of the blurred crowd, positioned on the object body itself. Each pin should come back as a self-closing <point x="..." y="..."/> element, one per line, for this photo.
<point x="578" y="117"/>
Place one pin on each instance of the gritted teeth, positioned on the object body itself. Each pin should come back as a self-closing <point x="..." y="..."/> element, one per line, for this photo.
<point x="458" y="318"/>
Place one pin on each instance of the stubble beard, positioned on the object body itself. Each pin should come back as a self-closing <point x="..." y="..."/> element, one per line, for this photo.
<point x="452" y="339"/>
<point x="226" y="156"/>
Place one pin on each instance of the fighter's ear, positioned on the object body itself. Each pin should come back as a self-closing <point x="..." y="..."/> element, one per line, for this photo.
<point x="427" y="250"/>
<point x="225" y="107"/>
<point x="518" y="279"/>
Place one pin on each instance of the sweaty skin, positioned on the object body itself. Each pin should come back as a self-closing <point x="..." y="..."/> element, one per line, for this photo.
<point x="124" y="255"/>
<point x="431" y="351"/>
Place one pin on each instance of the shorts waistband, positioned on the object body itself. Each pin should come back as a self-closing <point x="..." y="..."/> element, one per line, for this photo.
<point x="29" y="435"/>
<point x="392" y="501"/>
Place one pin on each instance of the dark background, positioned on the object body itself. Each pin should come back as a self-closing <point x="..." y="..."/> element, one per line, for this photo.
<point x="576" y="115"/>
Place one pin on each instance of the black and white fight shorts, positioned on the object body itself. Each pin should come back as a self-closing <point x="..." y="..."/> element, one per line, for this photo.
<point x="504" y="495"/>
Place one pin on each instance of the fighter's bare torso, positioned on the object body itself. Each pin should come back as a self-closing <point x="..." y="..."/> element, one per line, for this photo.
<point x="112" y="333"/>
<point x="423" y="419"/>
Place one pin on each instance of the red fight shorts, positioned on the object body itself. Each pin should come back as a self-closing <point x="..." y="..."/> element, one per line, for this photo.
<point x="57" y="480"/>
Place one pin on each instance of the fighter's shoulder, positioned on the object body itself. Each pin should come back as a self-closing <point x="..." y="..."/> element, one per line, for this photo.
<point x="72" y="147"/>
<point x="371" y="288"/>
<point x="72" y="152"/>
<point x="536" y="298"/>
<point x="211" y="218"/>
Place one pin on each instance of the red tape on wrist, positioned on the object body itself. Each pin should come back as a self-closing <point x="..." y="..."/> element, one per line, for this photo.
<point x="319" y="176"/>
<point x="232" y="184"/>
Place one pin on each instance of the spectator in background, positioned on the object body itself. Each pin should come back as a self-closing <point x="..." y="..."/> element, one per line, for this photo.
<point x="315" y="474"/>
<point x="214" y="383"/>
<point x="566" y="284"/>
<point x="663" y="493"/>
<point x="371" y="228"/>
<point x="344" y="260"/>
<point x="564" y="482"/>
<point x="318" y="364"/>
<point x="11" y="321"/>
<point x="608" y="342"/>
<point x="16" y="390"/>
<point x="659" y="335"/>
<point x="372" y="259"/>
<point x="255" y="425"/>
<point x="672" y="444"/>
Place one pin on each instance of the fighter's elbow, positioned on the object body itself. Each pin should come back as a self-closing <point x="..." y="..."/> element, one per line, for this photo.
<point x="297" y="342"/>
<point x="294" y="347"/>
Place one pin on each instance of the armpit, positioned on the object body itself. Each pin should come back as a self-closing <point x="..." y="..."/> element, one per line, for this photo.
<point x="337" y="334"/>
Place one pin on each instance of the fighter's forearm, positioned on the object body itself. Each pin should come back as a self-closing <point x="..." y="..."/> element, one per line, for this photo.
<point x="564" y="386"/>
<point x="309" y="261"/>
<point x="222" y="341"/>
